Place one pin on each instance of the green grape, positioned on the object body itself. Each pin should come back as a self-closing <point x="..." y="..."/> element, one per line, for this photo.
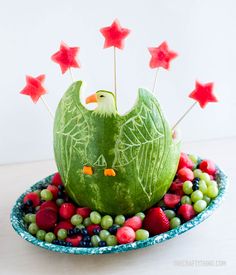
<point x="59" y="202"/>
<point x="212" y="182"/>
<point x="199" y="206"/>
<point x="205" y="177"/>
<point x="27" y="218"/>
<point x="194" y="159"/>
<point x="111" y="240"/>
<point x="175" y="222"/>
<point x="33" y="228"/>
<point x="87" y="221"/>
<point x="49" y="237"/>
<point x="170" y="214"/>
<point x="106" y="222"/>
<point x="95" y="217"/>
<point x="76" y="219"/>
<point x="41" y="235"/>
<point x="141" y="215"/>
<point x="141" y="234"/>
<point x="203" y="186"/>
<point x="187" y="187"/>
<point x="186" y="200"/>
<point x="120" y="219"/>
<point x="197" y="173"/>
<point x="61" y="234"/>
<point x="196" y="196"/>
<point x="95" y="240"/>
<point x="32" y="218"/>
<point x="103" y="234"/>
<point x="212" y="191"/>
<point x="206" y="199"/>
<point x="46" y="195"/>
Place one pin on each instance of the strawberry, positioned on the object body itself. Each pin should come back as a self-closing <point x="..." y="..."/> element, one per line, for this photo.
<point x="56" y="179"/>
<point x="125" y="234"/>
<point x="186" y="211"/>
<point x="185" y="161"/>
<point x="54" y="190"/>
<point x="177" y="188"/>
<point x="46" y="218"/>
<point x="83" y="211"/>
<point x="49" y="204"/>
<point x="135" y="223"/>
<point x="34" y="197"/>
<point x="67" y="210"/>
<point x="156" y="221"/>
<point x="63" y="225"/>
<point x="208" y="167"/>
<point x="91" y="227"/>
<point x="75" y="240"/>
<point x="171" y="200"/>
<point x="185" y="174"/>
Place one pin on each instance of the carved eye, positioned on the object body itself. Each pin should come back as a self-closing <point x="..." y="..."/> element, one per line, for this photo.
<point x="102" y="96"/>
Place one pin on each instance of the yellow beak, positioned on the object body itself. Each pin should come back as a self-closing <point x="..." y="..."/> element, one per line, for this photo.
<point x="91" y="99"/>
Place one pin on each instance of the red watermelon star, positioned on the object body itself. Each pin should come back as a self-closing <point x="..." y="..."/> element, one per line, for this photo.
<point x="203" y="94"/>
<point x="66" y="57"/>
<point x="161" y="56"/>
<point x="114" y="35"/>
<point x="34" y="87"/>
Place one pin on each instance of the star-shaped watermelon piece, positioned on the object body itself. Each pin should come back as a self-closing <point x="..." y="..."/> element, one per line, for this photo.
<point x="34" y="87"/>
<point x="114" y="35"/>
<point x="203" y="94"/>
<point x="66" y="57"/>
<point x="161" y="56"/>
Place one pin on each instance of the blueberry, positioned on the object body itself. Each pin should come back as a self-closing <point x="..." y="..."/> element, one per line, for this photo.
<point x="89" y="244"/>
<point x="84" y="231"/>
<point x="195" y="186"/>
<point x="96" y="231"/>
<point x="60" y="194"/>
<point x="87" y="239"/>
<point x="77" y="231"/>
<point x="29" y="203"/>
<point x="102" y="243"/>
<point x="177" y="207"/>
<point x="82" y="243"/>
<point x="61" y="187"/>
<point x="68" y="244"/>
<point x="113" y="229"/>
<point x="55" y="241"/>
<point x="196" y="179"/>
<point x="163" y="208"/>
<point x="70" y="232"/>
<point x="30" y="210"/>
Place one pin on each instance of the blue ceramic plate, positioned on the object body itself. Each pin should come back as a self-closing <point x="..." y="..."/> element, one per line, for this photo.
<point x="18" y="225"/>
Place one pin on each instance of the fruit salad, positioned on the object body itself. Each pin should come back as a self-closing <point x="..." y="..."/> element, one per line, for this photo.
<point x="51" y="216"/>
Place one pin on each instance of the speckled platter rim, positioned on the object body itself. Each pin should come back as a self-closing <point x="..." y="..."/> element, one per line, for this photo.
<point x="18" y="224"/>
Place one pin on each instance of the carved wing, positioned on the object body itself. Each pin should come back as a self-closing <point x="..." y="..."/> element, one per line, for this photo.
<point x="71" y="129"/>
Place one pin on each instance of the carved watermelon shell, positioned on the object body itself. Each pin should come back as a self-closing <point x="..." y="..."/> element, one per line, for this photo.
<point x="138" y="146"/>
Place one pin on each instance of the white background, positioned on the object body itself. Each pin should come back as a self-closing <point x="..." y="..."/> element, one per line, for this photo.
<point x="202" y="32"/>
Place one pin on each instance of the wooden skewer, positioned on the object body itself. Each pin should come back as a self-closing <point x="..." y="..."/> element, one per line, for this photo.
<point x="71" y="76"/>
<point x="184" y="115"/>
<point x="47" y="107"/>
<point x="155" y="81"/>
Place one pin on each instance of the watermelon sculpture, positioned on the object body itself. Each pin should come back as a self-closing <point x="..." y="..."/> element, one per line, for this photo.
<point x="116" y="164"/>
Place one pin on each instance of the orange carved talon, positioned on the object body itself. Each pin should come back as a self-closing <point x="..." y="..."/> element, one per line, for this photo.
<point x="87" y="170"/>
<point x="109" y="172"/>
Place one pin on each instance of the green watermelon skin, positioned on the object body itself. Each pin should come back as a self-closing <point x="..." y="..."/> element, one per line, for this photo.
<point x="145" y="157"/>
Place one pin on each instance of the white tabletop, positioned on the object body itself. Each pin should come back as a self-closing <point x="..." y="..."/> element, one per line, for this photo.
<point x="209" y="248"/>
